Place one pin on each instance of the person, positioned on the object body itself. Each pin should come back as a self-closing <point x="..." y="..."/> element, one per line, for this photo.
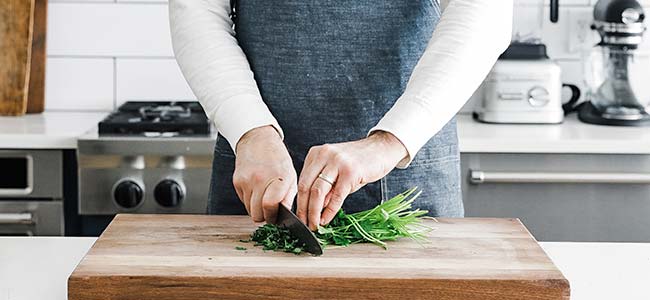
<point x="358" y="97"/>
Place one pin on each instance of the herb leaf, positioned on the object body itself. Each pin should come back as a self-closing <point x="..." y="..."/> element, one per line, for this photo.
<point x="388" y="221"/>
<point x="272" y="237"/>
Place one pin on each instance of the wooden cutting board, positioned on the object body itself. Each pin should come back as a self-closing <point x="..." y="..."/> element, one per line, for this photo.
<point x="194" y="257"/>
<point x="36" y="91"/>
<point x="16" y="22"/>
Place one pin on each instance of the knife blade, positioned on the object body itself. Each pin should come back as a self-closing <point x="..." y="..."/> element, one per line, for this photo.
<point x="289" y="220"/>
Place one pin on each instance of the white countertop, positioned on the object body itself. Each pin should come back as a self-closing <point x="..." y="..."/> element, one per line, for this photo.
<point x="38" y="267"/>
<point x="59" y="130"/>
<point x="49" y="130"/>
<point x="572" y="136"/>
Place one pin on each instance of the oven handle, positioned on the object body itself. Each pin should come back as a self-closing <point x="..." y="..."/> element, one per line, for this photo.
<point x="479" y="177"/>
<point x="25" y="218"/>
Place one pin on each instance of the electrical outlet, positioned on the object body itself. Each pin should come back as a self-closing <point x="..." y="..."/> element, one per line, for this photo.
<point x="581" y="38"/>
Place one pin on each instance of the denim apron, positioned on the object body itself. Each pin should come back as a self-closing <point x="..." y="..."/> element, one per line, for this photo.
<point x="329" y="70"/>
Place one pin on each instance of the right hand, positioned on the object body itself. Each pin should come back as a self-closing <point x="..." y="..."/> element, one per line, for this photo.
<point x="264" y="174"/>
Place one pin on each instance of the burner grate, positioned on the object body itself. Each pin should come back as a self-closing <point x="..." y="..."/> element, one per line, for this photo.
<point x="157" y="119"/>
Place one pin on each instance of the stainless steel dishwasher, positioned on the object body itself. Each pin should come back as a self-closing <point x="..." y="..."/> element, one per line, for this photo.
<point x="562" y="197"/>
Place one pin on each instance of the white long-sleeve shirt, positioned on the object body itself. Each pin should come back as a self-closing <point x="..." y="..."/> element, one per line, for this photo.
<point x="469" y="37"/>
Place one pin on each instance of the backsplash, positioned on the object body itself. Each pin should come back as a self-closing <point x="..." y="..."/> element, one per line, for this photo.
<point x="102" y="53"/>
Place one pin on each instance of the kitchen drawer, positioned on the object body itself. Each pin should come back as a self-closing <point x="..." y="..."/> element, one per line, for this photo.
<point x="562" y="197"/>
<point x="29" y="218"/>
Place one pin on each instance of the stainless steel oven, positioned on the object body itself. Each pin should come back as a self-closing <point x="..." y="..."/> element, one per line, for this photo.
<point x="31" y="192"/>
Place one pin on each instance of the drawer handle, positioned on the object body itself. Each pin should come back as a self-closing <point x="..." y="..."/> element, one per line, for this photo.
<point x="478" y="177"/>
<point x="16" y="219"/>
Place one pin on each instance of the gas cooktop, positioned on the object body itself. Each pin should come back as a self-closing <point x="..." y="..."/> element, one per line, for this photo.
<point x="154" y="119"/>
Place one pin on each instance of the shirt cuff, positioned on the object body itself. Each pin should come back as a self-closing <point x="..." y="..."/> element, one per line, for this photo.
<point x="240" y="114"/>
<point x="411" y="122"/>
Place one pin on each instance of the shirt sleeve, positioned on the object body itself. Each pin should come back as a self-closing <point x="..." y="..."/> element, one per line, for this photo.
<point x="468" y="39"/>
<point x="216" y="68"/>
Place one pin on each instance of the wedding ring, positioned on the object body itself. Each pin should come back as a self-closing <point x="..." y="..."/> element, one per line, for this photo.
<point x="326" y="179"/>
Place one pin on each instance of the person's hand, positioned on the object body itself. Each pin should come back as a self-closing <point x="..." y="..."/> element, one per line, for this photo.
<point x="349" y="166"/>
<point x="264" y="174"/>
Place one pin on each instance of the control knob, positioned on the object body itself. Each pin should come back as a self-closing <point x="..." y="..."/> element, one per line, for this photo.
<point x="169" y="193"/>
<point x="128" y="194"/>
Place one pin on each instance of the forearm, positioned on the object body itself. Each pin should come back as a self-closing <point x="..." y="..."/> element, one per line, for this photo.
<point x="216" y="68"/>
<point x="468" y="39"/>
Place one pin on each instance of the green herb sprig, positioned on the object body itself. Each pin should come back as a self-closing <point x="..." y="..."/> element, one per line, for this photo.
<point x="388" y="221"/>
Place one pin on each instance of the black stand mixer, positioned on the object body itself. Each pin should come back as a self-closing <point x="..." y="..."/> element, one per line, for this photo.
<point x="612" y="97"/>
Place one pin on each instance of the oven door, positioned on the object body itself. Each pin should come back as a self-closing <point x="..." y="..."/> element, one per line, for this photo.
<point x="28" y="218"/>
<point x="31" y="174"/>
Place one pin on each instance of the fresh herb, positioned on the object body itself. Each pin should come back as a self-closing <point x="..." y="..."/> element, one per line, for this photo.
<point x="275" y="238"/>
<point x="240" y="248"/>
<point x="388" y="221"/>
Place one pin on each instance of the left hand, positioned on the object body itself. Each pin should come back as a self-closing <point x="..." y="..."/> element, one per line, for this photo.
<point x="350" y="166"/>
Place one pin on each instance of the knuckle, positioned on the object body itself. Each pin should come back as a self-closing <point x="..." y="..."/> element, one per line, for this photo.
<point x="346" y="169"/>
<point x="257" y="177"/>
<point x="325" y="149"/>
<point x="337" y="197"/>
<point x="331" y="209"/>
<point x="301" y="211"/>
<point x="303" y="188"/>
<point x="268" y="205"/>
<point x="340" y="158"/>
<point x="316" y="192"/>
<point x="236" y="180"/>
<point x="312" y="151"/>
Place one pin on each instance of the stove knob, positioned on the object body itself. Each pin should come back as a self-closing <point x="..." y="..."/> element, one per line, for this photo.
<point x="128" y="194"/>
<point x="169" y="193"/>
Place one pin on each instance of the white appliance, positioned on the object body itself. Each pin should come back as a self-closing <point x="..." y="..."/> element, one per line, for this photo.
<point x="524" y="85"/>
<point x="522" y="91"/>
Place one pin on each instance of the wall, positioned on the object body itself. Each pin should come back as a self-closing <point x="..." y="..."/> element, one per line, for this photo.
<point x="102" y="52"/>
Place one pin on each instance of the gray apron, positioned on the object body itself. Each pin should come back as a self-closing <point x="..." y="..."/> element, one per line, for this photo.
<point x="328" y="71"/>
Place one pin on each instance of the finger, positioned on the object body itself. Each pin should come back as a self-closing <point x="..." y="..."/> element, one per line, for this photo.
<point x="246" y="199"/>
<point x="343" y="186"/>
<point x="319" y="190"/>
<point x="273" y="195"/>
<point x="290" y="196"/>
<point x="240" y="194"/>
<point x="255" y="209"/>
<point x="310" y="171"/>
<point x="327" y="199"/>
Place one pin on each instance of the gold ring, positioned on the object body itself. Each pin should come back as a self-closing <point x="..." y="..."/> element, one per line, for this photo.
<point x="326" y="179"/>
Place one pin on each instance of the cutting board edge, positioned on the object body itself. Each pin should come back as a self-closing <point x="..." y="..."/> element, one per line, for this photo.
<point x="81" y="287"/>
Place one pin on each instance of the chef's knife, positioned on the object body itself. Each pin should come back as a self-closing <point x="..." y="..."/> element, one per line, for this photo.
<point x="287" y="219"/>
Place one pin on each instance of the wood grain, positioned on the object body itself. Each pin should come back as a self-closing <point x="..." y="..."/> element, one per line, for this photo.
<point x="36" y="91"/>
<point x="194" y="257"/>
<point x="16" y="22"/>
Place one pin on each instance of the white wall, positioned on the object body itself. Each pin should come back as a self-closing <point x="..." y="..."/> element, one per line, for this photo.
<point x="103" y="52"/>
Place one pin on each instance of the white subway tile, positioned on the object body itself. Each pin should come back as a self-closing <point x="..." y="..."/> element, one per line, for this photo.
<point x="78" y="1"/>
<point x="150" y="80"/>
<point x="108" y="29"/>
<point x="142" y="1"/>
<point x="573" y="24"/>
<point x="79" y="84"/>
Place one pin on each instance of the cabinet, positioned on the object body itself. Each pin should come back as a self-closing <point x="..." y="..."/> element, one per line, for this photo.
<point x="562" y="197"/>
